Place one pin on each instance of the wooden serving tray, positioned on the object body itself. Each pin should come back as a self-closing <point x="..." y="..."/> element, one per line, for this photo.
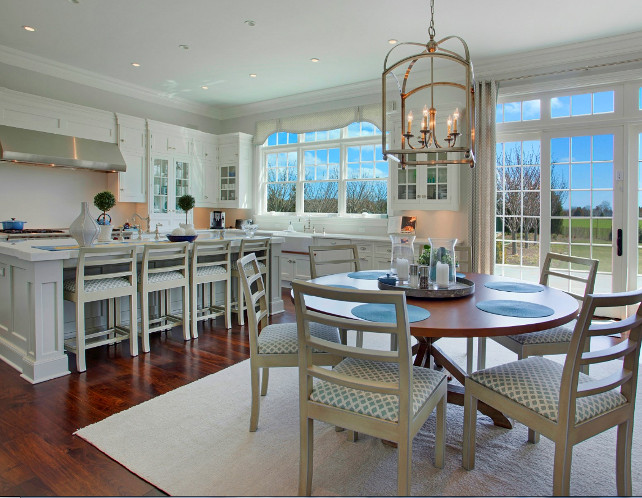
<point x="463" y="287"/>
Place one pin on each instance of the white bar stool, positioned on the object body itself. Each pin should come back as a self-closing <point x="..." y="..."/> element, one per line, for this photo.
<point x="117" y="279"/>
<point x="210" y="264"/>
<point x="261" y="249"/>
<point x="165" y="266"/>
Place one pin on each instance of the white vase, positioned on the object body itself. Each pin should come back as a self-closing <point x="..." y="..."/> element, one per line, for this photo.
<point x="105" y="233"/>
<point x="84" y="228"/>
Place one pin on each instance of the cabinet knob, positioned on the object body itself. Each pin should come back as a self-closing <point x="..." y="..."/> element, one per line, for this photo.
<point x="122" y="189"/>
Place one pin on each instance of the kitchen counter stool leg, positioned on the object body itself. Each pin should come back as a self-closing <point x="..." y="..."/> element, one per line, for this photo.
<point x="133" y="324"/>
<point x="80" y="337"/>
<point x="144" y="309"/>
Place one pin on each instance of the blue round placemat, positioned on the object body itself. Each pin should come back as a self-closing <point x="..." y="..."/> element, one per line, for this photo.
<point x="342" y="286"/>
<point x="514" y="287"/>
<point x="519" y="309"/>
<point x="367" y="275"/>
<point x="384" y="312"/>
<point x="460" y="275"/>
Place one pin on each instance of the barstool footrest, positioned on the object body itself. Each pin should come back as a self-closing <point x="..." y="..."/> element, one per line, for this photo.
<point x="95" y="339"/>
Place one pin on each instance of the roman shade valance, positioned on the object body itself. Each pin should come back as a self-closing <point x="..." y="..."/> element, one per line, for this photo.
<point x="324" y="120"/>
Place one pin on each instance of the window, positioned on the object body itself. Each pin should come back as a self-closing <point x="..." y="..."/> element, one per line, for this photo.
<point x="583" y="104"/>
<point x="510" y="112"/>
<point x="339" y="171"/>
<point x="518" y="207"/>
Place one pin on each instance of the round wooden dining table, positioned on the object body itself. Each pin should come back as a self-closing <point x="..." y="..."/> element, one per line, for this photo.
<point x="460" y="317"/>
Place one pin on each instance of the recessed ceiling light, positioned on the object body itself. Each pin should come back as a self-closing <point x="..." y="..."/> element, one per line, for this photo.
<point x="184" y="47"/>
<point x="314" y="59"/>
<point x="204" y="87"/>
<point x="252" y="75"/>
<point x="28" y="28"/>
<point x="135" y="64"/>
<point x="392" y="41"/>
<point x="250" y="23"/>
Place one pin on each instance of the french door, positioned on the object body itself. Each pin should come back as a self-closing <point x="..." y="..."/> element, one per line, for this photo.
<point x="634" y="208"/>
<point x="584" y="202"/>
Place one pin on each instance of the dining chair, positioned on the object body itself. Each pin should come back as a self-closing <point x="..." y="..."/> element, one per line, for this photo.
<point x="273" y="345"/>
<point x="261" y="248"/>
<point x="375" y="392"/>
<point x="103" y="273"/>
<point x="209" y="264"/>
<point x="165" y="266"/>
<point x="562" y="403"/>
<point x="568" y="271"/>
<point x="324" y="261"/>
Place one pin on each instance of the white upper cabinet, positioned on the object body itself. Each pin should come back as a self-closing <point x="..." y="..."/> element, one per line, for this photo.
<point x="235" y="171"/>
<point x="169" y="139"/>
<point x="205" y="169"/>
<point x="132" y="141"/>
<point x="425" y="187"/>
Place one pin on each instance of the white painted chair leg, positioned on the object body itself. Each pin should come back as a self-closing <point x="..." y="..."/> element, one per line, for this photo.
<point x="133" y="325"/>
<point x="306" y="452"/>
<point x="194" y="310"/>
<point x="144" y="310"/>
<point x="254" y="413"/>
<point x="440" y="434"/>
<point x="470" y="432"/>
<point x="404" y="458"/>
<point x="228" y="304"/>
<point x="562" y="469"/>
<point x="359" y="339"/>
<point x="533" y="436"/>
<point x="80" y="337"/>
<point x="186" y="329"/>
<point x="265" y="377"/>
<point x="240" y="304"/>
<point x="623" y="458"/>
<point x="469" y="354"/>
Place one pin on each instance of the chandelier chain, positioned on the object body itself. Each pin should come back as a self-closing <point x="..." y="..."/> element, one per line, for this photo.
<point x="431" y="29"/>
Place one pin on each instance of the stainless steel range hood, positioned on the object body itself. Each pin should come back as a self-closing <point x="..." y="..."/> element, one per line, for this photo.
<point x="48" y="149"/>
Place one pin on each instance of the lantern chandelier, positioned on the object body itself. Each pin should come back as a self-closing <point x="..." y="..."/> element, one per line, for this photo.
<point x="437" y="140"/>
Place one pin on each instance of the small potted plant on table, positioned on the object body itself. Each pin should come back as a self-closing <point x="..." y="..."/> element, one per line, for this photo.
<point x="104" y="201"/>
<point x="186" y="230"/>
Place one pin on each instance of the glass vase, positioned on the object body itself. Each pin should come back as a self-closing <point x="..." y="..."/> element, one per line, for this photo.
<point x="402" y="255"/>
<point x="442" y="263"/>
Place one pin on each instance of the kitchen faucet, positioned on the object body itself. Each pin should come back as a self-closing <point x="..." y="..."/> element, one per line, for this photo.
<point x="308" y="228"/>
<point x="143" y="219"/>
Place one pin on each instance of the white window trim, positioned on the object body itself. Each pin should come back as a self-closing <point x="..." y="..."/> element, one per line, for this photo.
<point x="301" y="147"/>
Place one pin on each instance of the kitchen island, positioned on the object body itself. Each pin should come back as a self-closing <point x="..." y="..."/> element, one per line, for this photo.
<point x="32" y="317"/>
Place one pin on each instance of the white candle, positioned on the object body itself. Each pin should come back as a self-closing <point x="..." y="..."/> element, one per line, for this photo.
<point x="410" y="117"/>
<point x="455" y="118"/>
<point x="442" y="274"/>
<point x="403" y="268"/>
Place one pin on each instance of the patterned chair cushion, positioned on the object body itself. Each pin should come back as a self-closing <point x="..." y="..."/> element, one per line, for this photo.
<point x="99" y="284"/>
<point x="281" y="338"/>
<point x="210" y="270"/>
<point x="248" y="268"/>
<point x="153" y="278"/>
<point x="556" y="335"/>
<point x="382" y="406"/>
<point x="535" y="383"/>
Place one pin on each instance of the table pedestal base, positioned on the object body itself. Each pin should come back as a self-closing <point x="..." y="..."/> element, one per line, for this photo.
<point x="427" y="355"/>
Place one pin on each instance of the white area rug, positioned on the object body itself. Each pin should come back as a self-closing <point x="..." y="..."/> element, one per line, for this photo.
<point x="195" y="441"/>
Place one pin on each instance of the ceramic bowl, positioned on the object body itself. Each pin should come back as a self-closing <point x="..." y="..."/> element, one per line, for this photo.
<point x="182" y="238"/>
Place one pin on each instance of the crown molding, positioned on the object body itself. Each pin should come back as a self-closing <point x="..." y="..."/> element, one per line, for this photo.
<point x="354" y="90"/>
<point x="575" y="54"/>
<point x="38" y="64"/>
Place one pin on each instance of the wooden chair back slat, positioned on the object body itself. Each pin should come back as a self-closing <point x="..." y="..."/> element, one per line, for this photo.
<point x="589" y="265"/>
<point x="316" y="263"/>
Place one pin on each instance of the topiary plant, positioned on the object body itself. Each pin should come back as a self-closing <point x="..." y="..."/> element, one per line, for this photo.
<point x="104" y="201"/>
<point x="185" y="203"/>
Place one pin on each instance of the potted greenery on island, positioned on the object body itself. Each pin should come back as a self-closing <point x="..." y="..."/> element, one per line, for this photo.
<point x="104" y="201"/>
<point x="186" y="203"/>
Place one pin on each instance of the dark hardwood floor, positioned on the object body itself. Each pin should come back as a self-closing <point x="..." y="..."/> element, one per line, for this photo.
<point x="38" y="453"/>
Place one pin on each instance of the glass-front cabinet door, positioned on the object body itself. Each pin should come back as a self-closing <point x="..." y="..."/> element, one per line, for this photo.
<point x="426" y="187"/>
<point x="160" y="185"/>
<point x="228" y="182"/>
<point x="170" y="179"/>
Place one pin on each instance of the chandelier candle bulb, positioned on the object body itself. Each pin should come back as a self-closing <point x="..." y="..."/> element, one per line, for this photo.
<point x="455" y="118"/>
<point x="410" y="116"/>
<point x="450" y="122"/>
<point x="424" y="123"/>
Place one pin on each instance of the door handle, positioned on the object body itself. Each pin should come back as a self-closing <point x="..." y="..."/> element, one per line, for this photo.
<point x="619" y="242"/>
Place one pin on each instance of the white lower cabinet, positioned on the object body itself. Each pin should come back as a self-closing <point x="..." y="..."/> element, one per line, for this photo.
<point x="294" y="266"/>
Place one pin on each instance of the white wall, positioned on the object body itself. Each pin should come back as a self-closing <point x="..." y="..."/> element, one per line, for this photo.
<point x="50" y="197"/>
